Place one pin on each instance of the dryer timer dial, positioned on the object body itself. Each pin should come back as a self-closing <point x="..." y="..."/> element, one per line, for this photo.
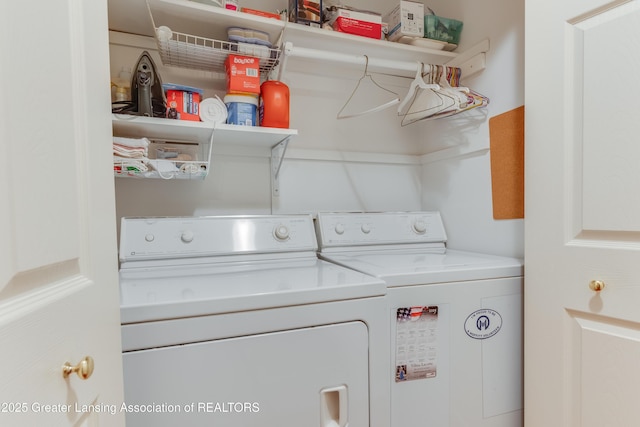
<point x="420" y="227"/>
<point x="187" y="236"/>
<point x="281" y="233"/>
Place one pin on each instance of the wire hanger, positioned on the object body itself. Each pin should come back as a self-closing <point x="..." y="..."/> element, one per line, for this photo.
<point x="371" y="110"/>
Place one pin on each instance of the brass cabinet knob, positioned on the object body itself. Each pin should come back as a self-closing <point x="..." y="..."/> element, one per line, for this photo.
<point x="596" y="285"/>
<point x="84" y="369"/>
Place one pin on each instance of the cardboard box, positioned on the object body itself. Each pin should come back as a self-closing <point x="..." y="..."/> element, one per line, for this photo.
<point x="243" y="74"/>
<point x="260" y="13"/>
<point x="358" y="23"/>
<point x="183" y="102"/>
<point x="406" y="19"/>
<point x="306" y="12"/>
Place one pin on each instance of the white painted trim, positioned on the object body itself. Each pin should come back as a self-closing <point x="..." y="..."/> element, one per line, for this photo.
<point x="455" y="152"/>
<point x="350" y="156"/>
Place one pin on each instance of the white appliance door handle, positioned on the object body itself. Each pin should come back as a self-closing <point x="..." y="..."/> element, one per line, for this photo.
<point x="334" y="407"/>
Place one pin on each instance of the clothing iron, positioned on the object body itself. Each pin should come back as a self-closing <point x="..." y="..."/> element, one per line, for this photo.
<point x="147" y="95"/>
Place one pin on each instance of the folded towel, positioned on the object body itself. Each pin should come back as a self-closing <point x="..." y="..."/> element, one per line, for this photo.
<point x="131" y="142"/>
<point x="124" y="151"/>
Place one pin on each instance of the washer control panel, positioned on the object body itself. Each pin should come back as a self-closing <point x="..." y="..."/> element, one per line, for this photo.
<point x="381" y="228"/>
<point x="181" y="237"/>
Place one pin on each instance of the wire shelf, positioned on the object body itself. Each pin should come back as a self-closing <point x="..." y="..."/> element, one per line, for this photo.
<point x="167" y="160"/>
<point x="199" y="53"/>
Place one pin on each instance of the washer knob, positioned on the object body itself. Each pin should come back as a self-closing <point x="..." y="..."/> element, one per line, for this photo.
<point x="366" y="228"/>
<point x="339" y="229"/>
<point x="187" y="236"/>
<point x="420" y="227"/>
<point x="149" y="237"/>
<point x="281" y="232"/>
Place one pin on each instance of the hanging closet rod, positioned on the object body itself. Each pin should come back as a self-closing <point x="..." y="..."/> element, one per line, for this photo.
<point x="471" y="61"/>
<point x="360" y="60"/>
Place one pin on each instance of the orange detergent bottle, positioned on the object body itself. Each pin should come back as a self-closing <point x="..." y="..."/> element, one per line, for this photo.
<point x="274" y="104"/>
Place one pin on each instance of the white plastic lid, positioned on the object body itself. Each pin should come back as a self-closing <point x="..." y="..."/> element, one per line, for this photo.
<point x="247" y="99"/>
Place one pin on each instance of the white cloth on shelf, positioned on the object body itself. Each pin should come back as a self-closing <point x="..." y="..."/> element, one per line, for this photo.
<point x="132" y="142"/>
<point x="124" y="151"/>
<point x="163" y="166"/>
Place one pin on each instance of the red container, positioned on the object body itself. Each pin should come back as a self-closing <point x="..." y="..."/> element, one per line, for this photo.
<point x="274" y="104"/>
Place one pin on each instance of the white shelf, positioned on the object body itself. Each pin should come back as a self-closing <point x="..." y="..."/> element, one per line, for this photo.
<point x="200" y="132"/>
<point x="221" y="138"/>
<point x="208" y="21"/>
<point x="334" y="41"/>
<point x="211" y="22"/>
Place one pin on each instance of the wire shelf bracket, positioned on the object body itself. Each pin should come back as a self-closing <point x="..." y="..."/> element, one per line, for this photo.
<point x="277" y="156"/>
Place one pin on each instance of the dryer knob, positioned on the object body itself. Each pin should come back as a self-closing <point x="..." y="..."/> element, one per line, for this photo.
<point x="366" y="228"/>
<point x="339" y="229"/>
<point x="281" y="232"/>
<point x="187" y="237"/>
<point x="149" y="237"/>
<point x="420" y="227"/>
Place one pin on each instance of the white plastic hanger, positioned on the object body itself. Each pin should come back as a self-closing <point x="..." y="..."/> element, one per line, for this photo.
<point x="448" y="100"/>
<point x="417" y="83"/>
<point x="428" y="101"/>
<point x="381" y="107"/>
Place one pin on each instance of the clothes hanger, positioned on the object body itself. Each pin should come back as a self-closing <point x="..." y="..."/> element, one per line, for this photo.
<point x="458" y="98"/>
<point x="429" y="101"/>
<point x="466" y="98"/>
<point x="417" y="83"/>
<point x="371" y="110"/>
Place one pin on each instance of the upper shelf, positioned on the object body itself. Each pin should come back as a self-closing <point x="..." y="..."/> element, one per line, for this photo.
<point x="211" y="22"/>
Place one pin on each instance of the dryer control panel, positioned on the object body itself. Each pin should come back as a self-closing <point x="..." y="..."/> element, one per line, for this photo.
<point x="155" y="238"/>
<point x="380" y="228"/>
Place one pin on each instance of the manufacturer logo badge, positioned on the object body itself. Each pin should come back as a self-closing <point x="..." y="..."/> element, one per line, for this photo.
<point x="483" y="324"/>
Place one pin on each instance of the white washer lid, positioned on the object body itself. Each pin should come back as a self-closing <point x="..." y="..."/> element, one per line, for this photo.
<point x="403" y="267"/>
<point x="160" y="293"/>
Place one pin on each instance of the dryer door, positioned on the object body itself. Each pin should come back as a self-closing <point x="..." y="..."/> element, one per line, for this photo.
<point x="311" y="376"/>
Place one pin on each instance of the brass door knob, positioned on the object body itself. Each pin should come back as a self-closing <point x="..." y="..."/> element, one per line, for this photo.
<point x="84" y="369"/>
<point x="596" y="285"/>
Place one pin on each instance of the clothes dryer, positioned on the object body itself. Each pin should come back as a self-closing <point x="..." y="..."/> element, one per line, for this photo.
<point x="455" y="318"/>
<point x="234" y="321"/>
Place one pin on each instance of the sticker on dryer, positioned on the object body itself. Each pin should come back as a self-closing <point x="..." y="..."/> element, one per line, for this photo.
<point x="483" y="324"/>
<point x="416" y="342"/>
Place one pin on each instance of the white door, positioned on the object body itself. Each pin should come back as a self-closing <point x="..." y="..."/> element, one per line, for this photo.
<point x="58" y="258"/>
<point x="582" y="222"/>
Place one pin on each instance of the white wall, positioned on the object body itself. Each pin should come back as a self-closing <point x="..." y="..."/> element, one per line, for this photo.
<point x="460" y="186"/>
<point x="347" y="164"/>
<point x="310" y="184"/>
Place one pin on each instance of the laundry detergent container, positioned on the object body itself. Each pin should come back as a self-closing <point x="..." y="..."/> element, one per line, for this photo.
<point x="274" y="104"/>
<point x="242" y="109"/>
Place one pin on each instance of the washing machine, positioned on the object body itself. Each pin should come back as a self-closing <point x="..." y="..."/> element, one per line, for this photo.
<point x="455" y="318"/>
<point x="234" y="321"/>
